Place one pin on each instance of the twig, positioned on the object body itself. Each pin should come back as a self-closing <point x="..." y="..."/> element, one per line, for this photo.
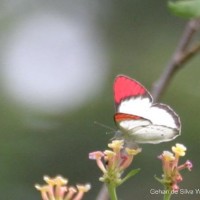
<point x="189" y="54"/>
<point x="181" y="55"/>
<point x="103" y="193"/>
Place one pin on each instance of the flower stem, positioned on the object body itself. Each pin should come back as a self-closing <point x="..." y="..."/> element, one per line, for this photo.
<point x="167" y="194"/>
<point x="112" y="191"/>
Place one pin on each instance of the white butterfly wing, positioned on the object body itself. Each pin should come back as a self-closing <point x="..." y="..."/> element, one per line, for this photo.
<point x="139" y="119"/>
<point x="153" y="134"/>
<point x="135" y="105"/>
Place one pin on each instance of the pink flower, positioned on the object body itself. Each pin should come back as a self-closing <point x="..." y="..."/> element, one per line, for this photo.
<point x="57" y="188"/>
<point x="171" y="167"/>
<point x="113" y="162"/>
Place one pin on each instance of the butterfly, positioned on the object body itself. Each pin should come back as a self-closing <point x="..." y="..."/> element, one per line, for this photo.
<point x="138" y="118"/>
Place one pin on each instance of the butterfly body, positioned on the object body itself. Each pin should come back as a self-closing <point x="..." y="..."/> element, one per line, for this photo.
<point x="138" y="118"/>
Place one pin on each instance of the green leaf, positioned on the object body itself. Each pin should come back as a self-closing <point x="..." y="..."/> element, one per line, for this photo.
<point x="129" y="175"/>
<point x="162" y="181"/>
<point x="185" y="8"/>
<point x="159" y="179"/>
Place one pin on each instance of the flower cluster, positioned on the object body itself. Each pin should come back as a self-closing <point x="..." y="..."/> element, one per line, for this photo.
<point x="171" y="167"/>
<point x="113" y="162"/>
<point x="57" y="189"/>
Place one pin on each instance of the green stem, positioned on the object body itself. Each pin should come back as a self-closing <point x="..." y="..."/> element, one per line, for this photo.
<point x="112" y="191"/>
<point x="167" y="194"/>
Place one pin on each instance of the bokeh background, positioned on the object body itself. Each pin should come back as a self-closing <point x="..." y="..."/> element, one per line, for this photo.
<point x="58" y="60"/>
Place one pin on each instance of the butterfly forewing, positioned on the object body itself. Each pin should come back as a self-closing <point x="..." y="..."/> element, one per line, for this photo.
<point x="126" y="89"/>
<point x="137" y="116"/>
<point x="162" y="114"/>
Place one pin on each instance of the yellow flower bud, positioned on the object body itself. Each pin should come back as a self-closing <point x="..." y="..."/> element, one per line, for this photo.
<point x="116" y="145"/>
<point x="58" y="180"/>
<point x="168" y="156"/>
<point x="84" y="188"/>
<point x="133" y="151"/>
<point x="179" y="149"/>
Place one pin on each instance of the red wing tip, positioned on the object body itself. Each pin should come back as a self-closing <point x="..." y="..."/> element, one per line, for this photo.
<point x="126" y="87"/>
<point x="119" y="76"/>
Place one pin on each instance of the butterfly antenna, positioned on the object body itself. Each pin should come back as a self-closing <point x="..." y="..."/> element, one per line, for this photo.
<point x="105" y="126"/>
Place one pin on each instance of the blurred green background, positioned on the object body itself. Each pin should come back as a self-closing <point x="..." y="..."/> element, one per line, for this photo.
<point x="58" y="62"/>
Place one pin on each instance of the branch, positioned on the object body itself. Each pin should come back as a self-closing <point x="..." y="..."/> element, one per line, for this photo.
<point x="179" y="58"/>
<point x="103" y="193"/>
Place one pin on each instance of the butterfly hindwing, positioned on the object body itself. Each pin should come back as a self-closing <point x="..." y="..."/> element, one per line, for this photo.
<point x="153" y="134"/>
<point x="130" y="122"/>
